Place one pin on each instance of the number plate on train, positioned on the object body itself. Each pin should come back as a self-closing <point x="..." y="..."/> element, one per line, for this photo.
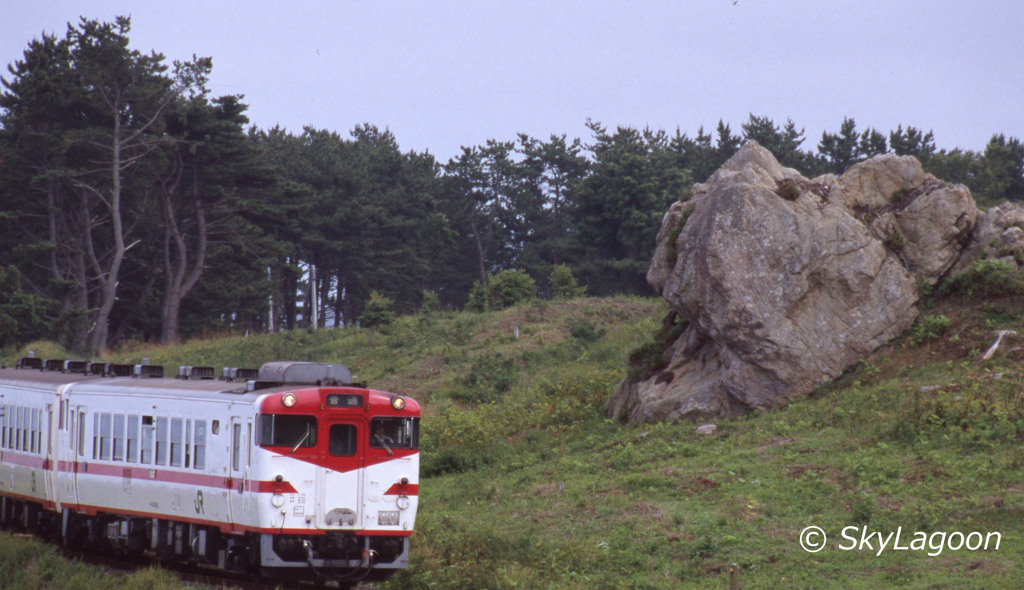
<point x="387" y="518"/>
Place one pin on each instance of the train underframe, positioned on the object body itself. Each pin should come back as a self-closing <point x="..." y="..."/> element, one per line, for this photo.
<point x="336" y="556"/>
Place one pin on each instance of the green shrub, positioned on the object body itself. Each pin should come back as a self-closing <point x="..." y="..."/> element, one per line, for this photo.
<point x="563" y="283"/>
<point x="787" y="189"/>
<point x="928" y="328"/>
<point x="431" y="302"/>
<point x="899" y="195"/>
<point x="584" y="331"/>
<point x="986" y="278"/>
<point x="477" y="298"/>
<point x="505" y="289"/>
<point x="510" y="287"/>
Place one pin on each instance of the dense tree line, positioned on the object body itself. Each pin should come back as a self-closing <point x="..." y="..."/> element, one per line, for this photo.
<point x="133" y="205"/>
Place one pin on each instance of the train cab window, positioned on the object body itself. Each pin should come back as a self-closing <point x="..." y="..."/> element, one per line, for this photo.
<point x="395" y="433"/>
<point x="342" y="440"/>
<point x="287" y="430"/>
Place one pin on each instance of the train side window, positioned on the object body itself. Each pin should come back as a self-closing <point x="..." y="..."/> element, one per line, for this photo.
<point x="36" y="429"/>
<point x="19" y="416"/>
<point x="81" y="433"/>
<point x="118" y="437"/>
<point x="236" y="454"/>
<point x="188" y="443"/>
<point x="147" y="439"/>
<point x="105" y="432"/>
<point x="22" y="429"/>
<point x="3" y="426"/>
<point x="133" y="439"/>
<point x="26" y="417"/>
<point x="177" y="438"/>
<point x="342" y="440"/>
<point x="162" y="436"/>
<point x="200" y="445"/>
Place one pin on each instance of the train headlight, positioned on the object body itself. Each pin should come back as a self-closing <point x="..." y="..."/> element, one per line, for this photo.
<point x="288" y="400"/>
<point x="398" y="402"/>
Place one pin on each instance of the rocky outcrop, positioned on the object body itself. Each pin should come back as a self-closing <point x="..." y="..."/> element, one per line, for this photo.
<point x="784" y="281"/>
<point x="999" y="234"/>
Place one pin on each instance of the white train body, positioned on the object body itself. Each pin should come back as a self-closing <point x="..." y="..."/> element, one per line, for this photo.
<point x="296" y="475"/>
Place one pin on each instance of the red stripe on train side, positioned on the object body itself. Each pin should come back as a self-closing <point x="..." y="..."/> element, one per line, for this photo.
<point x="142" y="472"/>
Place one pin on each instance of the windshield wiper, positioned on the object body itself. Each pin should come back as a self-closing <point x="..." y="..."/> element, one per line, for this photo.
<point x="301" y="440"/>
<point x="380" y="439"/>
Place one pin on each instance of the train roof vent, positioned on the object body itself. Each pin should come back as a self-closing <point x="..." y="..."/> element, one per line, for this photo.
<point x="30" y="362"/>
<point x="256" y="384"/>
<point x="190" y="372"/>
<point x="149" y="371"/>
<point x="311" y="373"/>
<point x="116" y="370"/>
<point x="76" y="367"/>
<point x="53" y="365"/>
<point x="239" y="373"/>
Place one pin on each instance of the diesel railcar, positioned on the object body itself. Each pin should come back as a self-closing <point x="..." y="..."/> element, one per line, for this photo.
<point x="287" y="472"/>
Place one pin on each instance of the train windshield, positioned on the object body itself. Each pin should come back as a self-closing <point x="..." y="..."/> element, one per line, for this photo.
<point x="395" y="433"/>
<point x="287" y="430"/>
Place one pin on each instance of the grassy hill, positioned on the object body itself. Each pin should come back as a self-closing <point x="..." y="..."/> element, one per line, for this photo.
<point x="527" y="484"/>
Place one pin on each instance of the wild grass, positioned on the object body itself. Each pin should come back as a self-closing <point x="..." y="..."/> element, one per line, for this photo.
<point x="528" y="484"/>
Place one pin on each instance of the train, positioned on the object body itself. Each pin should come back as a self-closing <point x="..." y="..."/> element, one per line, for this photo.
<point x="287" y="472"/>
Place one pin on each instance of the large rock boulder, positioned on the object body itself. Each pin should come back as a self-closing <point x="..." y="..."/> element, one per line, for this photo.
<point x="782" y="282"/>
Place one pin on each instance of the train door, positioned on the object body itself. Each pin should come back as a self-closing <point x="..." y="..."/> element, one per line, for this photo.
<point x="240" y="501"/>
<point x="340" y="486"/>
<point x="71" y="419"/>
<point x="46" y="448"/>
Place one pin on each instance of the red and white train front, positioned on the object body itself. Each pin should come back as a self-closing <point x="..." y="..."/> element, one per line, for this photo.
<point x="343" y="467"/>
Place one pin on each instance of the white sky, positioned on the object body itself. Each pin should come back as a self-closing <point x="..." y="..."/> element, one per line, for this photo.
<point x="441" y="74"/>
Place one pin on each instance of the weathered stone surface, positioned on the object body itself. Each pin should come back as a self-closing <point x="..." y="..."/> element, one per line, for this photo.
<point x="997" y="234"/>
<point x="786" y="281"/>
<point x="931" y="224"/>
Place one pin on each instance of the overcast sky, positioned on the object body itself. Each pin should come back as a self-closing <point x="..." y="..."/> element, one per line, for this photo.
<point x="442" y="74"/>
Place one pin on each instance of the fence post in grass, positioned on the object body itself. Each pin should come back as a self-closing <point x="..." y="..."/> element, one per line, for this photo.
<point x="734" y="576"/>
